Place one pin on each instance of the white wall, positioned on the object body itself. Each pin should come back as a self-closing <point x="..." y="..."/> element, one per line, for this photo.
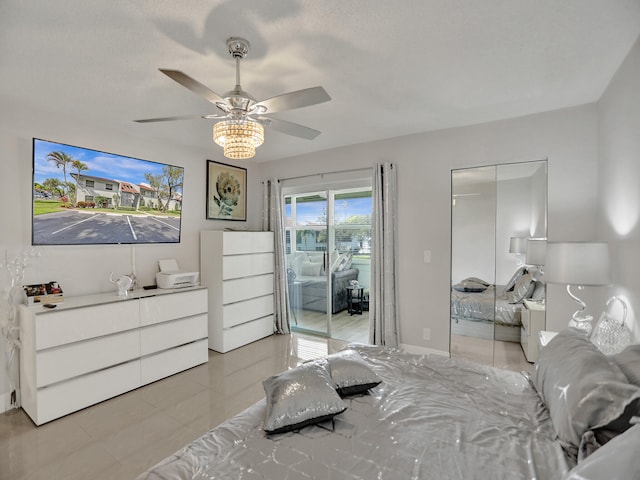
<point x="566" y="137"/>
<point x="85" y="269"/>
<point x="619" y="181"/>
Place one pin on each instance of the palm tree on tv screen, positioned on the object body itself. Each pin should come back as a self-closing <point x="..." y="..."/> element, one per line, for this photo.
<point x="61" y="160"/>
<point x="79" y="167"/>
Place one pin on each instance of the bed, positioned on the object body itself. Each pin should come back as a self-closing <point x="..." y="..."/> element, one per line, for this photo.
<point x="489" y="311"/>
<point x="429" y="418"/>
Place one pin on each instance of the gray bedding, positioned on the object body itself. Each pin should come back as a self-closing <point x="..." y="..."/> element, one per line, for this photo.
<point x="430" y="418"/>
<point x="479" y="306"/>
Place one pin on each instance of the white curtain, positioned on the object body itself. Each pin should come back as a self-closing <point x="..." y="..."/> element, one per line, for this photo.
<point x="273" y="221"/>
<point x="384" y="295"/>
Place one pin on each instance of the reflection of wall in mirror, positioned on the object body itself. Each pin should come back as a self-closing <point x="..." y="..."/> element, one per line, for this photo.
<point x="521" y="211"/>
<point x="473" y="231"/>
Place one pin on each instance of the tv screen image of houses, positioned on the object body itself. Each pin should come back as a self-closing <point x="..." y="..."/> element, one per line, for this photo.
<point x="83" y="197"/>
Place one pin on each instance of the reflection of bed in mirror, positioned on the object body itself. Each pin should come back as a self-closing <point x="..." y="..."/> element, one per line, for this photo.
<point x="482" y="310"/>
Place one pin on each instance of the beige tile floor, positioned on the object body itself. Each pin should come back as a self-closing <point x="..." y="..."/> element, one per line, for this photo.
<point x="505" y="355"/>
<point x="122" y="437"/>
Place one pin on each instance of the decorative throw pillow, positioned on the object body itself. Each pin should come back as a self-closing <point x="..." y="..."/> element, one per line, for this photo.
<point x="629" y="362"/>
<point x="310" y="269"/>
<point x="345" y="261"/>
<point x="334" y="261"/>
<point x="522" y="289"/>
<point x="582" y="389"/>
<point x="512" y="281"/>
<point x="539" y="291"/>
<point x="351" y="374"/>
<point x="301" y="396"/>
<point x="471" y="284"/>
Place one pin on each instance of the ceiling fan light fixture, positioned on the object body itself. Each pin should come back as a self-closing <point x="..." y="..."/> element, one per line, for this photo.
<point x="238" y="137"/>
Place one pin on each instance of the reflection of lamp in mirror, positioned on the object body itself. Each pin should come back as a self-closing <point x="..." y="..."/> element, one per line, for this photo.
<point x="518" y="245"/>
<point x="578" y="264"/>
<point x="536" y="252"/>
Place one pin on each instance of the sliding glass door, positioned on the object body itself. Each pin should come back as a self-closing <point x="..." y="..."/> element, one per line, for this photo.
<point x="328" y="236"/>
<point x="307" y="224"/>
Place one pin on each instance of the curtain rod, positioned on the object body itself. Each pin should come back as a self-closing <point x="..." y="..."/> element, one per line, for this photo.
<point x="324" y="173"/>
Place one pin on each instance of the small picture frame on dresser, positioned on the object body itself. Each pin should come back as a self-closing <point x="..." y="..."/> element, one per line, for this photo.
<point x="226" y="192"/>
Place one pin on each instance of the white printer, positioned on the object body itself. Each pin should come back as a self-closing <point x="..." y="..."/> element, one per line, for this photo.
<point x="170" y="276"/>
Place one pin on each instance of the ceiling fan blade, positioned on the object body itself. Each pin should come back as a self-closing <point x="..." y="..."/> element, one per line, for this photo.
<point x="290" y="128"/>
<point x="182" y="117"/>
<point x="196" y="87"/>
<point x="297" y="99"/>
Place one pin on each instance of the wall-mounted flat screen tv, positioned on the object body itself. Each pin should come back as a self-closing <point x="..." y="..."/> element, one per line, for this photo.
<point x="88" y="197"/>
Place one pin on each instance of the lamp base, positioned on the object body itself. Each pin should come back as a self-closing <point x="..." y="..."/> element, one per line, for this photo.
<point x="583" y="324"/>
<point x="579" y="321"/>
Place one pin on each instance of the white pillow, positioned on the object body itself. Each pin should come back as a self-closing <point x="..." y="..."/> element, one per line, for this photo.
<point x="310" y="269"/>
<point x="335" y="260"/>
<point x="345" y="262"/>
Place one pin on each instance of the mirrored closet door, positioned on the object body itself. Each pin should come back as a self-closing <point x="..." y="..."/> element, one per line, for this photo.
<point x="498" y="214"/>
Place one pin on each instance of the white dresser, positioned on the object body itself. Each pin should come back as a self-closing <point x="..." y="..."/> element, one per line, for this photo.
<point x="237" y="268"/>
<point x="91" y="348"/>
<point x="533" y="317"/>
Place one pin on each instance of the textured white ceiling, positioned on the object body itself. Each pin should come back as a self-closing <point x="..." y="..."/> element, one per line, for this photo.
<point x="391" y="68"/>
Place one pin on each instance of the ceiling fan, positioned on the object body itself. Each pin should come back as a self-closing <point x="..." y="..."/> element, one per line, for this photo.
<point x="241" y="117"/>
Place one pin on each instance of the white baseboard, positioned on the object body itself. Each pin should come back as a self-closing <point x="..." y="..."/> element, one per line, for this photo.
<point x="423" y="351"/>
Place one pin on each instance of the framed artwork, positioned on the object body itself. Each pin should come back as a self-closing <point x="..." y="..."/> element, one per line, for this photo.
<point x="226" y="192"/>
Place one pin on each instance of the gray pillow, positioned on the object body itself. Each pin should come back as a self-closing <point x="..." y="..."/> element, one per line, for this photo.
<point x="301" y="396"/>
<point x="471" y="284"/>
<point x="351" y="374"/>
<point x="618" y="459"/>
<point x="629" y="362"/>
<point x="582" y="389"/>
<point x="512" y="281"/>
<point x="522" y="289"/>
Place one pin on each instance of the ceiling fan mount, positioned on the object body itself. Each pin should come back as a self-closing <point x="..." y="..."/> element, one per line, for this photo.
<point x="238" y="105"/>
<point x="238" y="47"/>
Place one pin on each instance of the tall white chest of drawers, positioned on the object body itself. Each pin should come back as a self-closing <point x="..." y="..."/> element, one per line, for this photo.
<point x="91" y="348"/>
<point x="237" y="269"/>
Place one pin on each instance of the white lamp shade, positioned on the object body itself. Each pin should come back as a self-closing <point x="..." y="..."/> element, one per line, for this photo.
<point x="518" y="245"/>
<point x="578" y="263"/>
<point x="536" y="251"/>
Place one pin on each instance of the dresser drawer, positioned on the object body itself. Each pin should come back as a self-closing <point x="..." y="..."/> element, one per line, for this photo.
<point x="236" y="266"/>
<point x="162" y="336"/>
<point x="248" y="287"/>
<point x="242" y="312"/>
<point x="166" y="307"/>
<point x="168" y="362"/>
<point x="236" y="243"/>
<point x="246" y="333"/>
<point x="62" y="363"/>
<point x="73" y="325"/>
<point x="72" y="395"/>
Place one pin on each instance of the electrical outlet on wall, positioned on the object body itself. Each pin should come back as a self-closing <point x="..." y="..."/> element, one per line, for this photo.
<point x="426" y="334"/>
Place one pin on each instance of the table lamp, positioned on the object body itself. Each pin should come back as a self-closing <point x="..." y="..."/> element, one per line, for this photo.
<point x="578" y="264"/>
<point x="518" y="245"/>
<point x="536" y="252"/>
